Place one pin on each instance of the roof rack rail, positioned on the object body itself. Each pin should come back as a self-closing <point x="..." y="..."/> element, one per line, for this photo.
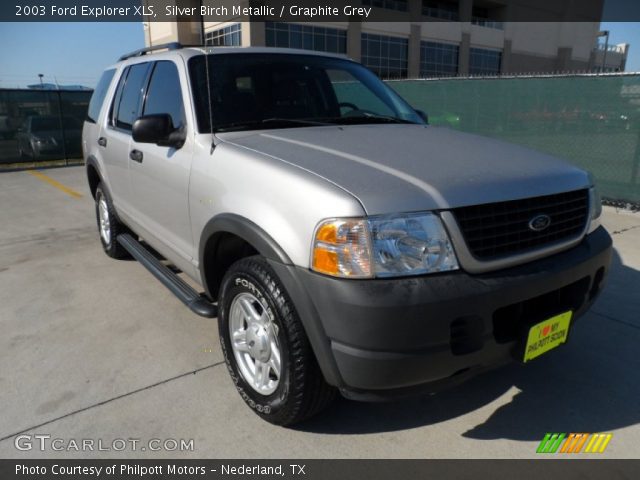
<point x="144" y="51"/>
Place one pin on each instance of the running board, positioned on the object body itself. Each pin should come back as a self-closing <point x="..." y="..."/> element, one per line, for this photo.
<point x="187" y="295"/>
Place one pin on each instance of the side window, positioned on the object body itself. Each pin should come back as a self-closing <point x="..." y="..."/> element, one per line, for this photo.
<point x="98" y="95"/>
<point x="164" y="93"/>
<point x="129" y="101"/>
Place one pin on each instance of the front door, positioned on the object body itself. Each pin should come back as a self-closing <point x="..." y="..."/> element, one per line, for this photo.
<point x="159" y="176"/>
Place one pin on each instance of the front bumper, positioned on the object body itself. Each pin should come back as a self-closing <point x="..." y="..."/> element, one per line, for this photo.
<point x="389" y="337"/>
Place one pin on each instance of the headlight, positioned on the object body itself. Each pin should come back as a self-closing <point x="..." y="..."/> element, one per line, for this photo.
<point x="595" y="208"/>
<point x="383" y="246"/>
<point x="410" y="244"/>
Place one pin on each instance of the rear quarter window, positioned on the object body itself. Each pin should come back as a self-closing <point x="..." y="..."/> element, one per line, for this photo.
<point x="97" y="99"/>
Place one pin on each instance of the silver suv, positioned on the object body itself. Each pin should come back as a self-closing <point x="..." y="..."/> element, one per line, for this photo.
<point x="344" y="244"/>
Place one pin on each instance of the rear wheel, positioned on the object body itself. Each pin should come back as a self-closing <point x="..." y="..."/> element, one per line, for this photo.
<point x="265" y="347"/>
<point x="109" y="227"/>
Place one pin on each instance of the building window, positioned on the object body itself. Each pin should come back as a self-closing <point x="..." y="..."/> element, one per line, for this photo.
<point x="438" y="59"/>
<point x="386" y="56"/>
<point x="291" y="35"/>
<point x="484" y="62"/>
<point x="485" y="17"/>
<point x="388" y="4"/>
<point x="225" y="37"/>
<point x="440" y="9"/>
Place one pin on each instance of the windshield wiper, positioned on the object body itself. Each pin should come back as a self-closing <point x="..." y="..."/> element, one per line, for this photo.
<point x="365" y="119"/>
<point x="273" y="122"/>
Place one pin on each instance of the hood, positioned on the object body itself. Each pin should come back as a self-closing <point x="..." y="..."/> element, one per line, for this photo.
<point x="404" y="168"/>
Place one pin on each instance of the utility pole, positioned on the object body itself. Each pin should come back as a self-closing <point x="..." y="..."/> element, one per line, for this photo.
<point x="604" y="33"/>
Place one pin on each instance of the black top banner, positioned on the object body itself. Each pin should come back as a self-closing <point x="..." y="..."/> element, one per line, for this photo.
<point x="308" y="11"/>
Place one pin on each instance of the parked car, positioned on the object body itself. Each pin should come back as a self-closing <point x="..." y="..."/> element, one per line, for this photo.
<point x="41" y="137"/>
<point x="344" y="244"/>
<point x="6" y="132"/>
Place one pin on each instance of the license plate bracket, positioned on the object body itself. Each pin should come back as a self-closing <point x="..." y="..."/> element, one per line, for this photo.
<point x="546" y="335"/>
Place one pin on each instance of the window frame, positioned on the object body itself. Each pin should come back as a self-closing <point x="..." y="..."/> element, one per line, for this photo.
<point x="481" y="52"/>
<point x="231" y="31"/>
<point x="384" y="67"/>
<point x="435" y="47"/>
<point x="109" y="71"/>
<point x="117" y="97"/>
<point x="308" y="35"/>
<point x="147" y="83"/>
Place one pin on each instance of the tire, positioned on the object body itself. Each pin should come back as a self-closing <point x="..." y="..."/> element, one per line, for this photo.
<point x="109" y="227"/>
<point x="251" y="289"/>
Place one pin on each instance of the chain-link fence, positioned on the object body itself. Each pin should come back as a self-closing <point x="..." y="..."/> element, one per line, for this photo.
<point x="41" y="125"/>
<point x="591" y="120"/>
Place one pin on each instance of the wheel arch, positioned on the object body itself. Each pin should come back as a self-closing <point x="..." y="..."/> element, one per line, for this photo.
<point x="93" y="174"/>
<point x="237" y="237"/>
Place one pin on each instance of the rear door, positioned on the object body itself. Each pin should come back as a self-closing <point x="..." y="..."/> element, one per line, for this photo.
<point x="117" y="136"/>
<point x="159" y="176"/>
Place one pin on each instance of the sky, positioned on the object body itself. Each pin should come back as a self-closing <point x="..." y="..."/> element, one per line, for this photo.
<point x="76" y="53"/>
<point x="620" y="32"/>
<point x="71" y="53"/>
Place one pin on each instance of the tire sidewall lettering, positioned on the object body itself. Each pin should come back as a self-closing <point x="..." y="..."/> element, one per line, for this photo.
<point x="244" y="283"/>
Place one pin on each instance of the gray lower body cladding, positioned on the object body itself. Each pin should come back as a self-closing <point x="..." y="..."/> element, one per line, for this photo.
<point x="390" y="337"/>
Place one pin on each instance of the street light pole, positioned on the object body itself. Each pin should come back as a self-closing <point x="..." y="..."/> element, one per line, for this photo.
<point x="40" y="75"/>
<point x="604" y="33"/>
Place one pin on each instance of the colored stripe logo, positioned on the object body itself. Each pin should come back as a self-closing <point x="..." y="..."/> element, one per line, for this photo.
<point x="574" y="443"/>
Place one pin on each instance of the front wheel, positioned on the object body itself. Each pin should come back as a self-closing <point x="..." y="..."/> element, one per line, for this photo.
<point x="265" y="347"/>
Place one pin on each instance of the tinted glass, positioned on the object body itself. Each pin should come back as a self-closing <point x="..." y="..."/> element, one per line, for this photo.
<point x="130" y="100"/>
<point x="164" y="95"/>
<point x="43" y="124"/>
<point x="98" y="95"/>
<point x="261" y="88"/>
<point x="71" y="123"/>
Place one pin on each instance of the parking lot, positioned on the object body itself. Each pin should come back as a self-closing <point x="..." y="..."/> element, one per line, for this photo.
<point x="97" y="348"/>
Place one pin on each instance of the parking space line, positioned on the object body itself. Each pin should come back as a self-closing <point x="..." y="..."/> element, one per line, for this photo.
<point x="55" y="183"/>
<point x="104" y="402"/>
<point x="609" y="317"/>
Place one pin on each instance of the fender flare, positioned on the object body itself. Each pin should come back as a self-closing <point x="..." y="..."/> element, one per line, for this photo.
<point x="92" y="161"/>
<point x="245" y="229"/>
<point x="284" y="267"/>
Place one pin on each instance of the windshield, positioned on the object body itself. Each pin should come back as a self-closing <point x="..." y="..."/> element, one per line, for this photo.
<point x="251" y="91"/>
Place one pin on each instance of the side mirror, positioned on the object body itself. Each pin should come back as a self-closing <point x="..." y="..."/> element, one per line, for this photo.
<point x="158" y="129"/>
<point x="423" y="116"/>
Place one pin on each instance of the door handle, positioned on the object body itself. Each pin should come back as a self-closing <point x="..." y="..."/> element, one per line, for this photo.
<point x="136" y="156"/>
<point x="102" y="142"/>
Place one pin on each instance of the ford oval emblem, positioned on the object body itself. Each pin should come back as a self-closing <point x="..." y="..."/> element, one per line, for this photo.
<point x="540" y="223"/>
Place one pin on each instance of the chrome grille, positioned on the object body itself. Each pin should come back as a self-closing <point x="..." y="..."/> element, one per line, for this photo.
<point x="495" y="230"/>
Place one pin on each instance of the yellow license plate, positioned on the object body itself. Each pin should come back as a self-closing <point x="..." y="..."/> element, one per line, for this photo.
<point x="547" y="335"/>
